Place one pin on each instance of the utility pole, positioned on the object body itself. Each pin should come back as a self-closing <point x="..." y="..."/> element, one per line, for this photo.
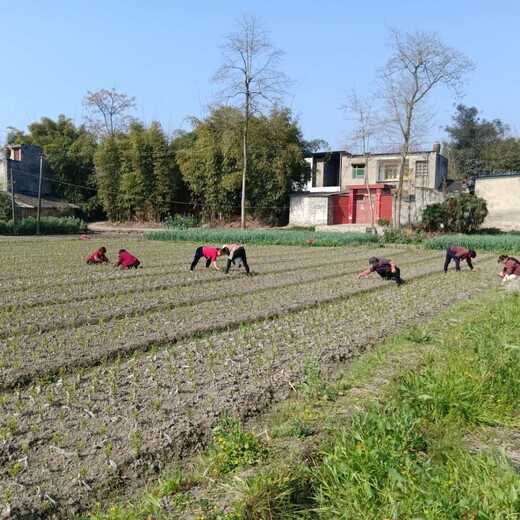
<point x="39" y="196"/>
<point x="12" y="202"/>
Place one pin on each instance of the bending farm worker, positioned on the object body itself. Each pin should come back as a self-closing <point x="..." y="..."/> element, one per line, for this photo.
<point x="511" y="268"/>
<point x="127" y="260"/>
<point x="98" y="257"/>
<point x="236" y="255"/>
<point x="209" y="253"/>
<point x="457" y="253"/>
<point x="386" y="269"/>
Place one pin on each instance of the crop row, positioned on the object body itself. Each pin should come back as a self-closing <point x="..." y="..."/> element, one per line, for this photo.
<point x="96" y="281"/>
<point x="26" y="356"/>
<point x="65" y="441"/>
<point x="55" y="311"/>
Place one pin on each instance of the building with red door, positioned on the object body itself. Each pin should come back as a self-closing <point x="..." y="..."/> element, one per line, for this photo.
<point x="349" y="189"/>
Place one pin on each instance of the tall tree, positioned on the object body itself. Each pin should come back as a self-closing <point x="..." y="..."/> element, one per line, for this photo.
<point x="69" y="151"/>
<point x="210" y="161"/>
<point x="250" y="72"/>
<point x="109" y="161"/>
<point x="211" y="158"/>
<point x="419" y="63"/>
<point x="365" y="127"/>
<point x="107" y="112"/>
<point x="473" y="142"/>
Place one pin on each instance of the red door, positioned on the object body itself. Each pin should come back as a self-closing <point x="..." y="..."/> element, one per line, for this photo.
<point x="340" y="209"/>
<point x="362" y="210"/>
<point x="386" y="207"/>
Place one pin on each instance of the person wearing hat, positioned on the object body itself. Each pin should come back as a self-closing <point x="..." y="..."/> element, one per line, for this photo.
<point x="386" y="269"/>
<point x="511" y="267"/>
<point x="236" y="255"/>
<point x="457" y="254"/>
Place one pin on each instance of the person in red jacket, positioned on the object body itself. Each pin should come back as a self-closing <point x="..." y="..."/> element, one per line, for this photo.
<point x="386" y="269"/>
<point x="209" y="253"/>
<point x="98" y="257"/>
<point x="457" y="254"/>
<point x="126" y="260"/>
<point x="511" y="267"/>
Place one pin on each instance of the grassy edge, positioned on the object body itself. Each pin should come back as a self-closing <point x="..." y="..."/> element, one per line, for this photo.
<point x="300" y="430"/>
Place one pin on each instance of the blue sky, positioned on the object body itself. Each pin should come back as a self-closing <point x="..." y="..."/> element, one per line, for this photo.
<point x="166" y="52"/>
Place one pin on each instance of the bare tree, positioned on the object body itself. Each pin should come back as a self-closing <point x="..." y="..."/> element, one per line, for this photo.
<point x="364" y="129"/>
<point x="419" y="63"/>
<point x="107" y="112"/>
<point x="250" y="73"/>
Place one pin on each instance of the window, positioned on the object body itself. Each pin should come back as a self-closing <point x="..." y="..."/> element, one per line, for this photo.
<point x="421" y="169"/>
<point x="389" y="171"/>
<point x="358" y="171"/>
<point x="17" y="154"/>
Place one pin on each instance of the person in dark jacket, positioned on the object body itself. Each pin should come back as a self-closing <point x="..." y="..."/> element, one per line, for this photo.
<point x="386" y="269"/>
<point x="457" y="253"/>
<point x="511" y="267"/>
<point x="236" y="255"/>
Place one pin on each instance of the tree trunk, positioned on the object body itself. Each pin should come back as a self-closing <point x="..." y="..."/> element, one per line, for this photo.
<point x="244" y="171"/>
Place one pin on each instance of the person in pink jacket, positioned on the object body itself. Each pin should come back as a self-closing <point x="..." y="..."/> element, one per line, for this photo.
<point x="126" y="260"/>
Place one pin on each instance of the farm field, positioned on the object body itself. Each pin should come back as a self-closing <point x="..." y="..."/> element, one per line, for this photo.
<point x="109" y="377"/>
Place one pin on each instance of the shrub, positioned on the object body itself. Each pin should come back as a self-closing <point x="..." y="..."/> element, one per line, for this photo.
<point x="461" y="214"/>
<point x="234" y="447"/>
<point x="48" y="226"/>
<point x="182" y="221"/>
<point x="433" y="217"/>
<point x="402" y="236"/>
<point x="5" y="206"/>
<point x="464" y="213"/>
<point x="6" y="227"/>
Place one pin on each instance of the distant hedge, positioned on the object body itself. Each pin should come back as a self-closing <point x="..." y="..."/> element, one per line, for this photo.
<point x="268" y="237"/>
<point x="497" y="243"/>
<point x="48" y="226"/>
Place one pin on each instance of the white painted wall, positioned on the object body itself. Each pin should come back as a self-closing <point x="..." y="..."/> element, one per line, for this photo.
<point x="308" y="210"/>
<point x="502" y="195"/>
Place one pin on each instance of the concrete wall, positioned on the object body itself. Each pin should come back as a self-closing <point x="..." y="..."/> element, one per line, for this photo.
<point x="309" y="210"/>
<point x="412" y="207"/>
<point x="502" y="194"/>
<point x="3" y="175"/>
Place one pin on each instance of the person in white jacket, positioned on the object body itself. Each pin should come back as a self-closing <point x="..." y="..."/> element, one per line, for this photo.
<point x="236" y="255"/>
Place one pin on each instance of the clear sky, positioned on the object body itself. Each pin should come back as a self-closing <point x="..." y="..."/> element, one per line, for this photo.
<point x="165" y="53"/>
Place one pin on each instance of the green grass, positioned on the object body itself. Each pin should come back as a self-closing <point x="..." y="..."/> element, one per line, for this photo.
<point x="408" y="458"/>
<point x="498" y="243"/>
<point x="265" y="237"/>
